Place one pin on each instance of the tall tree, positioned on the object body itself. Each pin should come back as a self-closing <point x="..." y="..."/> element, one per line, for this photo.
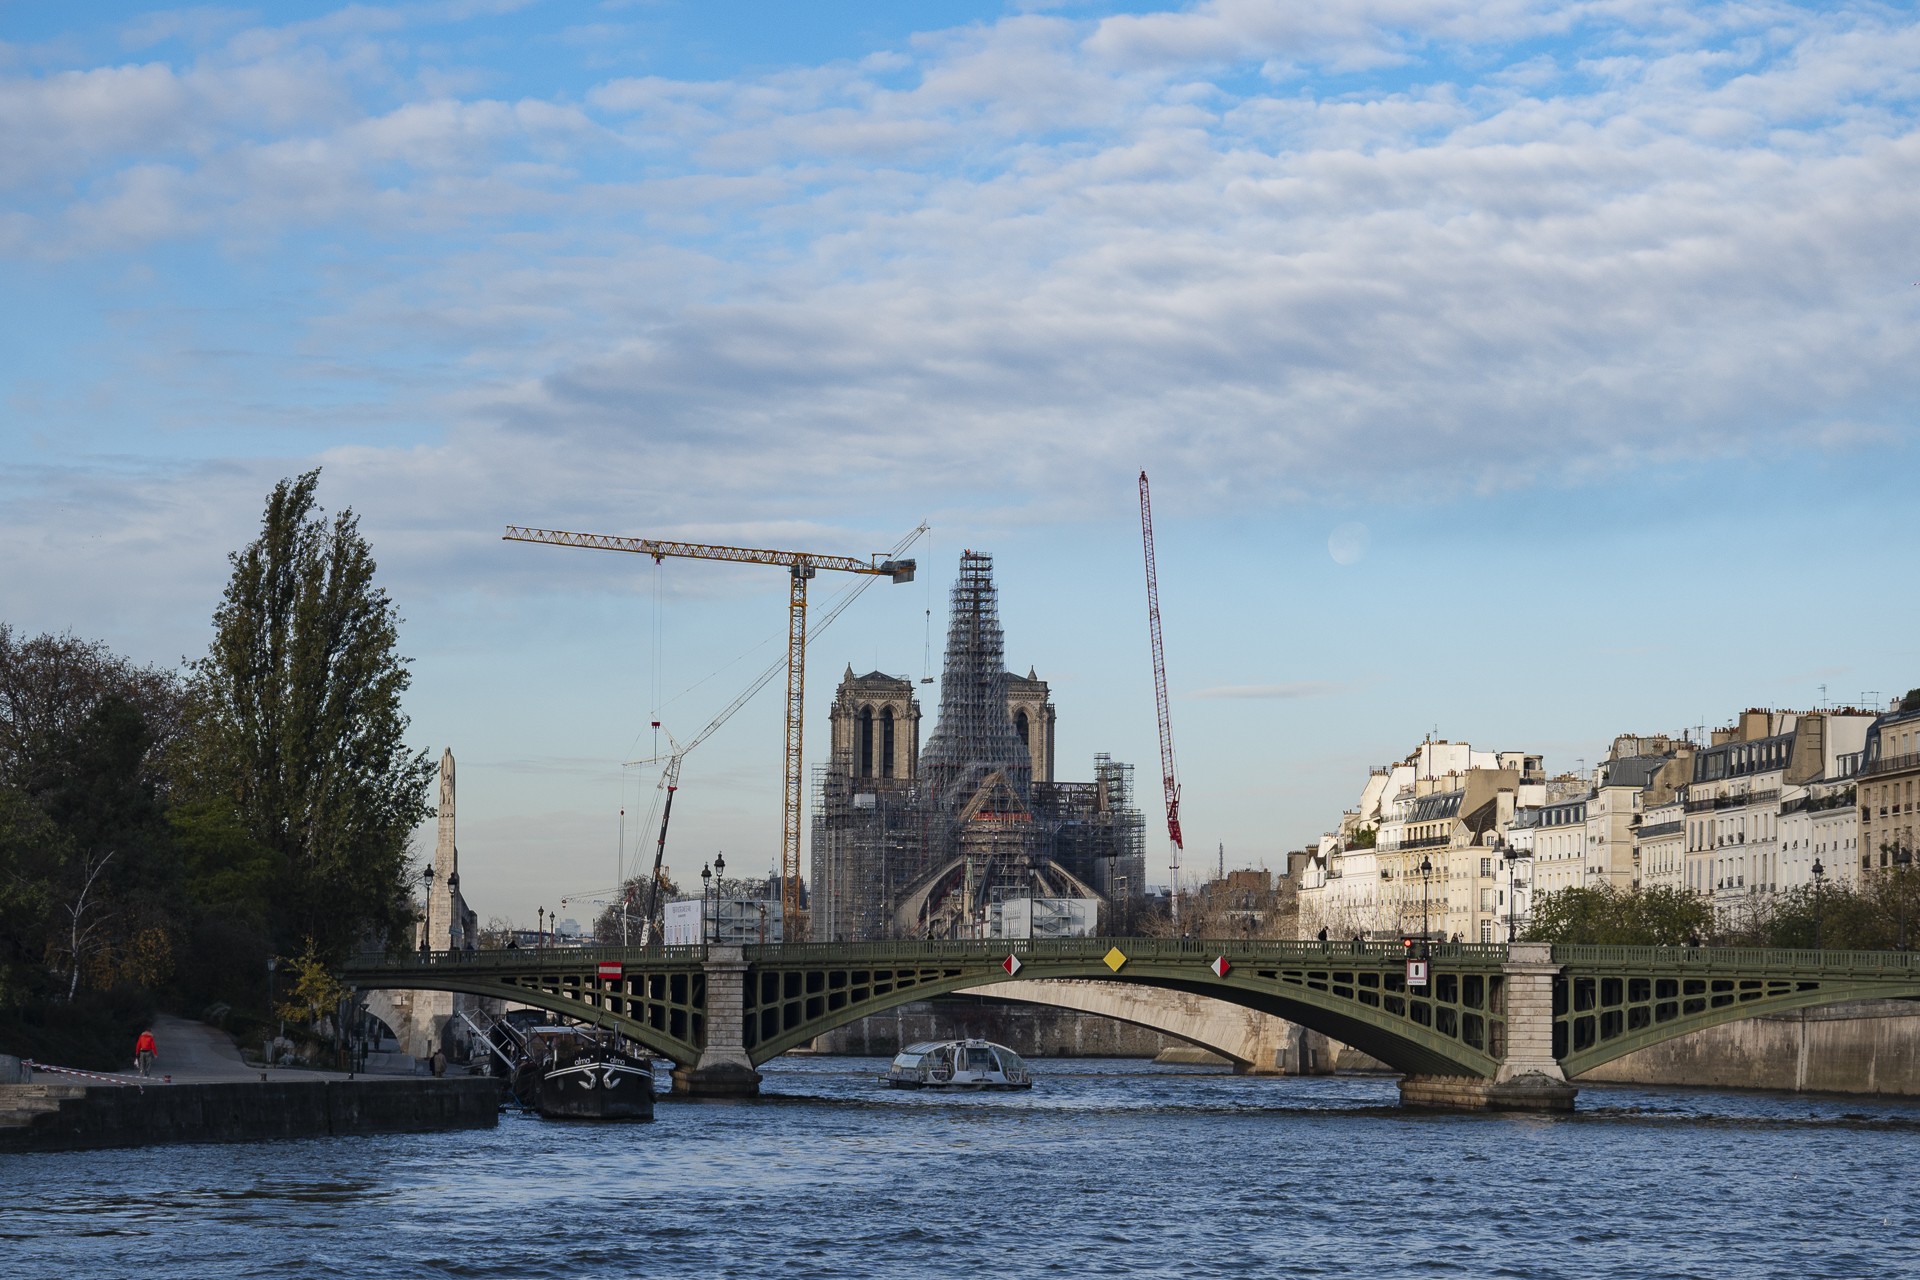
<point x="83" y="738"/>
<point x="299" y="726"/>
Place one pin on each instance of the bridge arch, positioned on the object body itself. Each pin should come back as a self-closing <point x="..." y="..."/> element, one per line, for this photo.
<point x="680" y="1042"/>
<point x="1246" y="1037"/>
<point x="791" y="998"/>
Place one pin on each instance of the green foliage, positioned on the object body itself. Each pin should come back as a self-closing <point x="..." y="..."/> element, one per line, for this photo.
<point x="1606" y="916"/>
<point x="297" y="727"/>
<point x="88" y="889"/>
<point x="94" y="1032"/>
<point x="309" y="989"/>
<point x="34" y="854"/>
<point x="1882" y="914"/>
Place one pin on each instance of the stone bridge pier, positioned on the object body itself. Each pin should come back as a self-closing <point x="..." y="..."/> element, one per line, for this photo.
<point x="1530" y="1078"/>
<point x="724" y="1069"/>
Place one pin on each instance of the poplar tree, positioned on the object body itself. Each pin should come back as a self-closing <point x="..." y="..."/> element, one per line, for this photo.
<point x="298" y="724"/>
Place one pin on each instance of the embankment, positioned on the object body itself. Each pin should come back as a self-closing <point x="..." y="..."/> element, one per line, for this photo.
<point x="1863" y="1047"/>
<point x="60" y="1117"/>
<point x="1868" y="1046"/>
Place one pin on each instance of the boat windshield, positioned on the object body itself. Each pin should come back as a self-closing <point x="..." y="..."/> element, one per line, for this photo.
<point x="908" y="1060"/>
<point x="979" y="1059"/>
<point x="1010" y="1061"/>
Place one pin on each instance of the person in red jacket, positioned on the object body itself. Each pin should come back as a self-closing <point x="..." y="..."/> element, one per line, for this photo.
<point x="145" y="1051"/>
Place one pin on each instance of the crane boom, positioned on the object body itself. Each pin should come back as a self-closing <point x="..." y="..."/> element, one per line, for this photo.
<point x="1168" y="778"/>
<point x="800" y="566"/>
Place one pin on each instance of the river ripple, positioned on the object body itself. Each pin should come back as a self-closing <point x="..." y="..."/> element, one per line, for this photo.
<point x="1106" y="1169"/>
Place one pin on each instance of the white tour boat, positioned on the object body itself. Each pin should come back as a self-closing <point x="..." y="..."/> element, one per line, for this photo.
<point x="958" y="1064"/>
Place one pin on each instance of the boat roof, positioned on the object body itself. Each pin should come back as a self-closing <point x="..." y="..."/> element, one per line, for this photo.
<point x="928" y="1046"/>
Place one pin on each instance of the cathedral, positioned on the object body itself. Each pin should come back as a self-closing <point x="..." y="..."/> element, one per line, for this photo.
<point x="928" y="842"/>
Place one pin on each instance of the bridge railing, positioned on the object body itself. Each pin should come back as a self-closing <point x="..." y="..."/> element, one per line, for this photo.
<point x="519" y="958"/>
<point x="1239" y="951"/>
<point x="1710" y="959"/>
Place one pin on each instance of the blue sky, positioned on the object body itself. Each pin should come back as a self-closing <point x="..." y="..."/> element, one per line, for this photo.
<point x="1590" y="327"/>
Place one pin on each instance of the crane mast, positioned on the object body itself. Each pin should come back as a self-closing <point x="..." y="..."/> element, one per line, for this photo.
<point x="1168" y="779"/>
<point x="801" y="567"/>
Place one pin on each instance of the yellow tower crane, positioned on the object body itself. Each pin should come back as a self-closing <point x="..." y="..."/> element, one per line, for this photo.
<point x="800" y="566"/>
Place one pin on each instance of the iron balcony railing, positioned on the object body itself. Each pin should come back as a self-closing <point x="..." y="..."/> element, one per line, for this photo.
<point x="1890" y="764"/>
<point x="1661" y="829"/>
<point x="1741" y="801"/>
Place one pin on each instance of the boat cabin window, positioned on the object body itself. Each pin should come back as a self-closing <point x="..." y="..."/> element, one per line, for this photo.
<point x="908" y="1060"/>
<point x="1010" y="1061"/>
<point x="980" y="1059"/>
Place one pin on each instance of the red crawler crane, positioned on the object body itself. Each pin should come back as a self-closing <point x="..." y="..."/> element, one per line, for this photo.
<point x="1167" y="777"/>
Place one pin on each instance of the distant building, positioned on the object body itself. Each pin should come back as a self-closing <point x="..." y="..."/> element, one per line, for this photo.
<point x="1889" y="777"/>
<point x="913" y="841"/>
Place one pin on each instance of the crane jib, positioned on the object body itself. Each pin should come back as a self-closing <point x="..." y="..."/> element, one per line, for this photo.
<point x="898" y="570"/>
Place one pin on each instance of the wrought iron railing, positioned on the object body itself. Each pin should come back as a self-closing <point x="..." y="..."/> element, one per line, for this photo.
<point x="522" y="957"/>
<point x="1771" y="958"/>
<point x="1889" y="764"/>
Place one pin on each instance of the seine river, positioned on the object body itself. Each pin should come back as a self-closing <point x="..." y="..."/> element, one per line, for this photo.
<point x="1105" y="1169"/>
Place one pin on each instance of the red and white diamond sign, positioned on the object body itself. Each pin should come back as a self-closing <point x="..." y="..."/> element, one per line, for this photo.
<point x="1011" y="964"/>
<point x="1219" y="966"/>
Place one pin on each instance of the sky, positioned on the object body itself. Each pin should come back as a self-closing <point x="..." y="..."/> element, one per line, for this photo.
<point x="1506" y="370"/>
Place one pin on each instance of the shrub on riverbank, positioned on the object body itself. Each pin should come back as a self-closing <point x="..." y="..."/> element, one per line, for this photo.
<point x="94" y="1033"/>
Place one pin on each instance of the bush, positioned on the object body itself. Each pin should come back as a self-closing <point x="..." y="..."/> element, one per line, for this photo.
<point x="94" y="1033"/>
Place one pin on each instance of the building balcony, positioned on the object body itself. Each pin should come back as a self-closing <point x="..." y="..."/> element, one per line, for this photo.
<point x="1889" y="764"/>
<point x="1742" y="801"/>
<point x="1660" y="829"/>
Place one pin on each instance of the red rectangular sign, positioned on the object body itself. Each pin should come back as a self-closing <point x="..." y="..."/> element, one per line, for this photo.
<point x="610" y="969"/>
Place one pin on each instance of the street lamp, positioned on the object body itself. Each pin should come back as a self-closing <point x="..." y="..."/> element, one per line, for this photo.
<point x="426" y="913"/>
<point x="1818" y="872"/>
<point x="540" y="932"/>
<point x="1902" y="860"/>
<point x="1426" y="870"/>
<point x="706" y="904"/>
<point x="1511" y="856"/>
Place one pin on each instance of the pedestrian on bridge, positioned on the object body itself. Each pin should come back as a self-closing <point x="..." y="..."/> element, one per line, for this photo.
<point x="145" y="1050"/>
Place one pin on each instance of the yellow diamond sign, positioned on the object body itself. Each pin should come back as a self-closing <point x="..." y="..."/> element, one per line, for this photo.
<point x="1115" y="958"/>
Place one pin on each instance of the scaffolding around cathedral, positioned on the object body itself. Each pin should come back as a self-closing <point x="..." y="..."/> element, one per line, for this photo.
<point x="926" y="843"/>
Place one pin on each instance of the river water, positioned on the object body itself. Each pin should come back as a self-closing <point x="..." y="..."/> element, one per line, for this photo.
<point x="1107" y="1168"/>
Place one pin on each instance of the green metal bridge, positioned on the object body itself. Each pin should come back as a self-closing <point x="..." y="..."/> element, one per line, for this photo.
<point x="1492" y="1018"/>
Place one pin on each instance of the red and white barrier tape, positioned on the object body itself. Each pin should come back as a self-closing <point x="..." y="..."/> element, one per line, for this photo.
<point x="138" y="1082"/>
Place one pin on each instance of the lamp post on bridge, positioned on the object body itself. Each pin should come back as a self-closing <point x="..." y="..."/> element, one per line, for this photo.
<point x="706" y="903"/>
<point x="426" y="914"/>
<point x="1426" y="929"/>
<point x="1511" y="856"/>
<point x="1818" y="873"/>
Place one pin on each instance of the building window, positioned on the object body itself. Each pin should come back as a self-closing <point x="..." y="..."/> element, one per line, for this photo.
<point x="864" y="748"/>
<point x="886" y="742"/>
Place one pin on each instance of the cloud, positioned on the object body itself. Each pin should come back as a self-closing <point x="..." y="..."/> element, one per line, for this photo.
<point x="1295" y="689"/>
<point x="1075" y="246"/>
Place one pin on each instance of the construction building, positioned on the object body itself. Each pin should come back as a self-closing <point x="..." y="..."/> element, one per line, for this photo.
<point x="928" y="842"/>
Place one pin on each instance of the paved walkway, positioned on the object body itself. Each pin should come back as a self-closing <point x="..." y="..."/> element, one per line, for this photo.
<point x="195" y="1053"/>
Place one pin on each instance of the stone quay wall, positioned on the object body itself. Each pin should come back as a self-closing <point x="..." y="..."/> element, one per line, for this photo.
<point x="38" y="1117"/>
<point x="1864" y="1047"/>
<point x="1869" y="1046"/>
